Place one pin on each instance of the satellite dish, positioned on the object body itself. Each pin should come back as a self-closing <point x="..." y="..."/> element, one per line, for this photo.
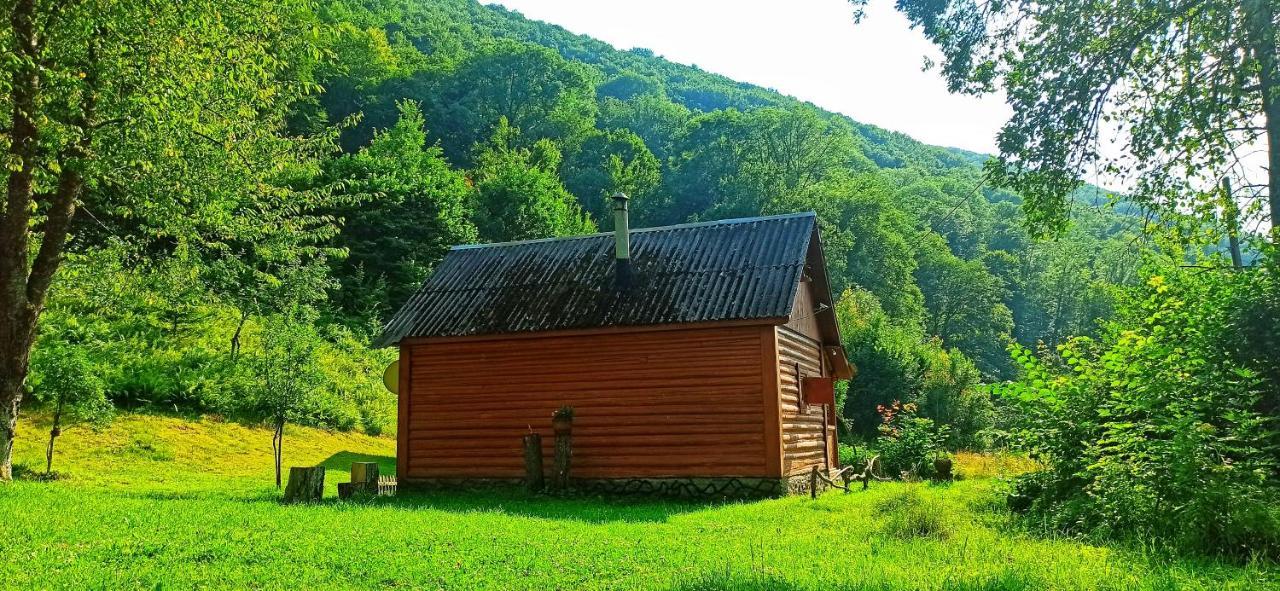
<point x="391" y="377"/>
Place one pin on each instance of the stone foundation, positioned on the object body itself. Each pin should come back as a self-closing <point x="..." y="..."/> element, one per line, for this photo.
<point x="718" y="488"/>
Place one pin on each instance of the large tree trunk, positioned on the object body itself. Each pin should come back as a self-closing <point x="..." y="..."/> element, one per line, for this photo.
<point x="1262" y="43"/>
<point x="17" y="317"/>
<point x="24" y="282"/>
<point x="8" y="430"/>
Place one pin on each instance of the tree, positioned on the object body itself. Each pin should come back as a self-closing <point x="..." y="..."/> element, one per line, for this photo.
<point x="897" y="363"/>
<point x="608" y="162"/>
<point x="69" y="386"/>
<point x="1189" y="87"/>
<point x="868" y="240"/>
<point x="412" y="207"/>
<point x="537" y="91"/>
<point x="733" y="163"/>
<point x="518" y="194"/>
<point x="655" y="118"/>
<point x="289" y="374"/>
<point x="966" y="307"/>
<point x="137" y="99"/>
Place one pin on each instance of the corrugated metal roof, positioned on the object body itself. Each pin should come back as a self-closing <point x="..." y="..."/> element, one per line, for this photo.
<point x="726" y="270"/>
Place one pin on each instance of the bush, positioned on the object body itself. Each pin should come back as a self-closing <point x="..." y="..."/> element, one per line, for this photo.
<point x="855" y="455"/>
<point x="895" y="362"/>
<point x="1159" y="431"/>
<point x="909" y="444"/>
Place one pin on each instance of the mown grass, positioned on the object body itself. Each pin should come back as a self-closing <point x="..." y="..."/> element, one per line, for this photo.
<point x="165" y="503"/>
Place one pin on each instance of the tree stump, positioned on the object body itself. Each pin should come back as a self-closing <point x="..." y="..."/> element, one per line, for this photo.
<point x="364" y="481"/>
<point x="364" y="473"/>
<point x="306" y="484"/>
<point x="564" y="453"/>
<point x="535" y="480"/>
<point x="942" y="468"/>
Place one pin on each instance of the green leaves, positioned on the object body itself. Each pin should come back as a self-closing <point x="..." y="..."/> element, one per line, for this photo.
<point x="1150" y="429"/>
<point x="519" y="195"/>
<point x="1158" y="97"/>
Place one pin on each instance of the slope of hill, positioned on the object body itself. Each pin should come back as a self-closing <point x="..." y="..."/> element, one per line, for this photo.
<point x="914" y="225"/>
<point x="467" y="24"/>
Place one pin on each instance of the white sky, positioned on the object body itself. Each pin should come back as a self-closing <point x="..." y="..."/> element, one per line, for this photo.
<point x="809" y="49"/>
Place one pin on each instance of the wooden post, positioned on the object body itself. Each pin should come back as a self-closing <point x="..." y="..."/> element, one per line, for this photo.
<point x="813" y="483"/>
<point x="306" y="484"/>
<point x="564" y="453"/>
<point x="534" y="479"/>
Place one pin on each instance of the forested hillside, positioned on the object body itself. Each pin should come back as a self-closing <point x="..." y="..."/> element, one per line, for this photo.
<point x="935" y="271"/>
<point x="204" y="262"/>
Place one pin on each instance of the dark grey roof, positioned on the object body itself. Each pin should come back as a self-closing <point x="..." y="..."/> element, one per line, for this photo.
<point x="726" y="270"/>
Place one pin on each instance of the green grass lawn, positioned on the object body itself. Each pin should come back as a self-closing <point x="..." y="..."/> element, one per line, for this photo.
<point x="166" y="503"/>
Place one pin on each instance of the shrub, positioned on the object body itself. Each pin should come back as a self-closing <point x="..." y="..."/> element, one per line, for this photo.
<point x="855" y="455"/>
<point x="909" y="444"/>
<point x="1159" y="430"/>
<point x="896" y="362"/>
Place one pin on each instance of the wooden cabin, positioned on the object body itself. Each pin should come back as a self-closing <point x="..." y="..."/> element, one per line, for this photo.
<point x="698" y="358"/>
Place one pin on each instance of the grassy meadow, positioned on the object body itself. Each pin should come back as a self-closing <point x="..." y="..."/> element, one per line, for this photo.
<point x="155" y="502"/>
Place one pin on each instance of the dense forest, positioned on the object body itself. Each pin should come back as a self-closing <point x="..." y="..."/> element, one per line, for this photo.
<point x="458" y="123"/>
<point x="243" y="218"/>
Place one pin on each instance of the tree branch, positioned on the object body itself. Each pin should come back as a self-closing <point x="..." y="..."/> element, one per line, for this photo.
<point x="62" y="206"/>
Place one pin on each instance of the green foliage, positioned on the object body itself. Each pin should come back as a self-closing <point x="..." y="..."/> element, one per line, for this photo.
<point x="66" y="383"/>
<point x="519" y="195"/>
<point x="286" y="366"/>
<point x="908" y="443"/>
<point x="965" y="304"/>
<point x="855" y="455"/>
<point x="604" y="163"/>
<point x="1183" y="89"/>
<point x="896" y="363"/>
<point x="158" y="347"/>
<point x="534" y="89"/>
<point x="414" y="206"/>
<point x="1162" y="428"/>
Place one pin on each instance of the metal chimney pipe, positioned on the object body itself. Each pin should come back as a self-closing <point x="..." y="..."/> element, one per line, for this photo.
<point x="621" y="241"/>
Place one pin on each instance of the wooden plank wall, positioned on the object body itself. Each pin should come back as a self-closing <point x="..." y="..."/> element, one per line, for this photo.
<point x="802" y="436"/>
<point x="648" y="404"/>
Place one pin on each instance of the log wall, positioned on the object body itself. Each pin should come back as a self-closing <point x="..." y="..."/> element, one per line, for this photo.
<point x="803" y="442"/>
<point x="668" y="403"/>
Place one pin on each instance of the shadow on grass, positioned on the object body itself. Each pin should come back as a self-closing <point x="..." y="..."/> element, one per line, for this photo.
<point x="507" y="500"/>
<point x="342" y="461"/>
<point x="513" y="500"/>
